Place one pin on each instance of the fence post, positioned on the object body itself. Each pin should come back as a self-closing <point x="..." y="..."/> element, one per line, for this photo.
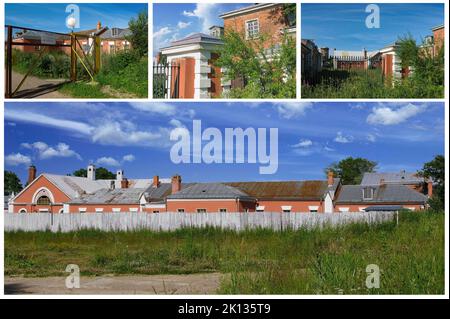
<point x="97" y="60"/>
<point x="73" y="58"/>
<point x="9" y="63"/>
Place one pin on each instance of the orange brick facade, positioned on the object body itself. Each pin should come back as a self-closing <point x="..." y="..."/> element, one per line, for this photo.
<point x="271" y="23"/>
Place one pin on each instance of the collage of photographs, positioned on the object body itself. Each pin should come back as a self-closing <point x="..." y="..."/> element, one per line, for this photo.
<point x="222" y="149"/>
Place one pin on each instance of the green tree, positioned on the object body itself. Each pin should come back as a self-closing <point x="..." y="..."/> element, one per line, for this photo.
<point x="266" y="72"/>
<point x="100" y="173"/>
<point x="351" y="170"/>
<point x="427" y="66"/>
<point x="290" y="13"/>
<point x="435" y="171"/>
<point x="139" y="34"/>
<point x="12" y="183"/>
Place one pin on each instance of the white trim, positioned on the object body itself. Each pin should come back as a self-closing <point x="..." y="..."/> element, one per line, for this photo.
<point x="286" y="207"/>
<point x="155" y="206"/>
<point x="247" y="10"/>
<point x="82" y="209"/>
<point x="99" y="210"/>
<point x="44" y="210"/>
<point x="43" y="188"/>
<point x="61" y="211"/>
<point x="116" y="210"/>
<point x="22" y="211"/>
<point x="362" y="209"/>
<point x="201" y="200"/>
<point x="34" y="181"/>
<point x="344" y="209"/>
<point x="133" y="209"/>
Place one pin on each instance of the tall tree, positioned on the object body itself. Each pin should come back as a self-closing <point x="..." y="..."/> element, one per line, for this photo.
<point x="100" y="173"/>
<point x="351" y="170"/>
<point x="435" y="170"/>
<point x="139" y="34"/>
<point x="12" y="183"/>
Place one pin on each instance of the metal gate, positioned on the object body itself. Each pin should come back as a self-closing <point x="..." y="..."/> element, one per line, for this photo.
<point x="166" y="81"/>
<point x="41" y="41"/>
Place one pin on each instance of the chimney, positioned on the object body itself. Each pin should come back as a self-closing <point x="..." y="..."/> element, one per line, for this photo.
<point x="99" y="25"/>
<point x="156" y="181"/>
<point x="124" y="183"/>
<point x="330" y="178"/>
<point x="119" y="175"/>
<point x="430" y="188"/>
<point x="31" y="174"/>
<point x="176" y="184"/>
<point x="91" y="172"/>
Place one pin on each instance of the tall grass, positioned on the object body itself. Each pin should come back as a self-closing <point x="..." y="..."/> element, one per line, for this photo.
<point x="327" y="261"/>
<point x="368" y="84"/>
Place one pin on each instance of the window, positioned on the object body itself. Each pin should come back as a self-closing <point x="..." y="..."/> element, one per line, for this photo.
<point x="180" y="210"/>
<point x="251" y="29"/>
<point x="222" y="210"/>
<point x="367" y="193"/>
<point x="286" y="210"/>
<point x="201" y="210"/>
<point x="22" y="210"/>
<point x="156" y="212"/>
<point x="260" y="209"/>
<point x="43" y="200"/>
<point x="313" y="210"/>
<point x="61" y="211"/>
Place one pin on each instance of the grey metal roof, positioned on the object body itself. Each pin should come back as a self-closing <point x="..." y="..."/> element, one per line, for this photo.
<point x="196" y="38"/>
<point x="118" y="33"/>
<point x="209" y="190"/>
<point x="252" y="6"/>
<point x="391" y="178"/>
<point x="111" y="196"/>
<point x="75" y="186"/>
<point x="388" y="193"/>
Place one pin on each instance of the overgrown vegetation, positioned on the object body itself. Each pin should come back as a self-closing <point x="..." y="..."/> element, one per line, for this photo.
<point x="329" y="261"/>
<point x="265" y="72"/>
<point x="425" y="81"/>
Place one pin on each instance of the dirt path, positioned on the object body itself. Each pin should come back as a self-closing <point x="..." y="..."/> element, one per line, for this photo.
<point x="139" y="284"/>
<point x="34" y="87"/>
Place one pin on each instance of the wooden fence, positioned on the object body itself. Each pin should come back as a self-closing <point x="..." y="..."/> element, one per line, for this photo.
<point x="172" y="221"/>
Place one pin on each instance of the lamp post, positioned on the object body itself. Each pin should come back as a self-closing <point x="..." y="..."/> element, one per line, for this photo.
<point x="71" y="23"/>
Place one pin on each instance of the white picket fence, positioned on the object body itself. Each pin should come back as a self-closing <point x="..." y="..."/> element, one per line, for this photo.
<point x="172" y="221"/>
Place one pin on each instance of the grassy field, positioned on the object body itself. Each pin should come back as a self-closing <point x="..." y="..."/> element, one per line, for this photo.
<point x="328" y="261"/>
<point x="368" y="84"/>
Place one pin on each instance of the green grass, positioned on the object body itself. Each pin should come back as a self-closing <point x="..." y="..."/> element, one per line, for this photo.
<point x="83" y="90"/>
<point x="328" y="261"/>
<point x="368" y="84"/>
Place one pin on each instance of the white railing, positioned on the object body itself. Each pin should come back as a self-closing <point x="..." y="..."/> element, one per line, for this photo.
<point x="172" y="221"/>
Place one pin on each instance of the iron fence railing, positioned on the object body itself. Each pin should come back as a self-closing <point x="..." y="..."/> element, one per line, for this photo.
<point x="166" y="81"/>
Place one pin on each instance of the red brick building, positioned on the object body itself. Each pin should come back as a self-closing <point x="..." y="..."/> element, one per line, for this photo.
<point x="70" y="194"/>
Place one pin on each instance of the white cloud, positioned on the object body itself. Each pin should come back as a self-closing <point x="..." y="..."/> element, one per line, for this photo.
<point x="371" y="138"/>
<point x="206" y="13"/>
<point x="157" y="108"/>
<point x="183" y="25"/>
<point x="162" y="32"/>
<point x="16" y="159"/>
<point x="128" y="158"/>
<point x="45" y="151"/>
<point x="117" y="133"/>
<point x="385" y="115"/>
<point x="188" y="13"/>
<point x="303" y="143"/>
<point x="340" y="138"/>
<point x="35" y="118"/>
<point x="289" y="110"/>
<point x="107" y="161"/>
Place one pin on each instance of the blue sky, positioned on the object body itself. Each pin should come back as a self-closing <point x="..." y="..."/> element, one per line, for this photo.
<point x="52" y="16"/>
<point x="342" y="26"/>
<point x="62" y="137"/>
<point x="174" y="21"/>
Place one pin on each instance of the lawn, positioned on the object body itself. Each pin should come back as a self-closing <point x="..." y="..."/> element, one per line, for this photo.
<point x="327" y="261"/>
<point x="367" y="84"/>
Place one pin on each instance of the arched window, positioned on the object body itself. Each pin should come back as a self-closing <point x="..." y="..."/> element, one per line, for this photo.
<point x="61" y="211"/>
<point x="43" y="200"/>
<point x="22" y="210"/>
